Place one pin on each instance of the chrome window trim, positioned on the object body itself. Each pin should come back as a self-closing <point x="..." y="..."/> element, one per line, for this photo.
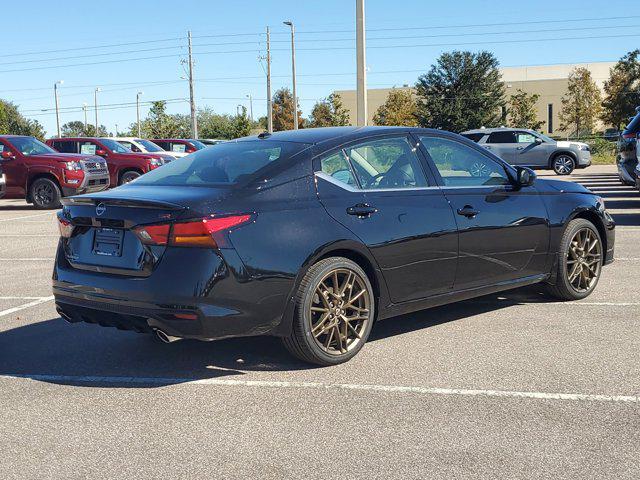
<point x="349" y="188"/>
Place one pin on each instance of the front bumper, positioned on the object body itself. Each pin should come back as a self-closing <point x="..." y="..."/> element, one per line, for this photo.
<point x="92" y="182"/>
<point x="584" y="159"/>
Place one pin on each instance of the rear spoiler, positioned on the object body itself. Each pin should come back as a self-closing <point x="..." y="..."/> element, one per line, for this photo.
<point x="121" y="202"/>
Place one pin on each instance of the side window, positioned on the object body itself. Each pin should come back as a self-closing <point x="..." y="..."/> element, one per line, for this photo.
<point x="88" y="148"/>
<point x="178" y="147"/>
<point x="525" y="137"/>
<point x="501" y="137"/>
<point x="462" y="166"/>
<point x="2" y="147"/>
<point x="64" y="147"/>
<point x="386" y="163"/>
<point x="129" y="145"/>
<point x="337" y="166"/>
<point x="475" y="137"/>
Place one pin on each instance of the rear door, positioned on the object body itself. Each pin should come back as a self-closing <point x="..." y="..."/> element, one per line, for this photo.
<point x="378" y="189"/>
<point x="503" y="144"/>
<point x="503" y="229"/>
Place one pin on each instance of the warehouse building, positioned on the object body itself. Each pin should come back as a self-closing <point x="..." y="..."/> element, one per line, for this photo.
<point x="548" y="81"/>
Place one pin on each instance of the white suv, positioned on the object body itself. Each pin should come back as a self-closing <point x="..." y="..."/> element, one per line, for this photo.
<point x="147" y="146"/>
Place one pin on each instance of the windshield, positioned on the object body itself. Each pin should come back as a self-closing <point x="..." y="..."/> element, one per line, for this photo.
<point x="114" y="146"/>
<point x="31" y="146"/>
<point x="198" y="144"/>
<point x="149" y="145"/>
<point x="227" y="164"/>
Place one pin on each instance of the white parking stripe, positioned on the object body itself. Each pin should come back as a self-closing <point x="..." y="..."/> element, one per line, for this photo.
<point x="22" y="298"/>
<point x="27" y="216"/>
<point x="395" y="389"/>
<point x="47" y="259"/>
<point x="9" y="311"/>
<point x="21" y="235"/>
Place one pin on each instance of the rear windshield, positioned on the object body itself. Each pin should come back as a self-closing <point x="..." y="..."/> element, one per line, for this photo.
<point x="634" y="125"/>
<point x="227" y="164"/>
<point x="197" y="144"/>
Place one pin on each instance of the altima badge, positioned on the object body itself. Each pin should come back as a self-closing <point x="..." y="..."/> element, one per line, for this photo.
<point x="100" y="209"/>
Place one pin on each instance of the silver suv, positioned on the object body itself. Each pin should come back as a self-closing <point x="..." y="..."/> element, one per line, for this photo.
<point x="528" y="148"/>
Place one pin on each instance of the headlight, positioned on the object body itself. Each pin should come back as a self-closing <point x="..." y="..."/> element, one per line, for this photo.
<point x="601" y="205"/>
<point x="74" y="166"/>
<point x="156" y="162"/>
<point x="585" y="148"/>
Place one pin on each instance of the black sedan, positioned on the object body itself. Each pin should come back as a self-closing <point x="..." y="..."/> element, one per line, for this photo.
<point x="312" y="235"/>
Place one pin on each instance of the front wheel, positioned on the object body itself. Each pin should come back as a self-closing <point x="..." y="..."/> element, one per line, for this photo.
<point x="579" y="261"/>
<point x="45" y="194"/>
<point x="334" y="313"/>
<point x="128" y="177"/>
<point x="563" y="164"/>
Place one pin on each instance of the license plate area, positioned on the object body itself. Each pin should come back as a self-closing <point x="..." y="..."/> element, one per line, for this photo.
<point x="108" y="242"/>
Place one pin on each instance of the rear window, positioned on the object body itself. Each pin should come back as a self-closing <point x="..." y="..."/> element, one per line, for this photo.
<point x="474" y="136"/>
<point x="502" y="137"/>
<point x="227" y="164"/>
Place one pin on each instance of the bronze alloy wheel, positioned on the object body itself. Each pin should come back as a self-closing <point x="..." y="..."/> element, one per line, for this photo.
<point x="339" y="311"/>
<point x="584" y="259"/>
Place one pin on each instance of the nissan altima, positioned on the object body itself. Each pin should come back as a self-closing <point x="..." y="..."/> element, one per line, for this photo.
<point x="313" y="235"/>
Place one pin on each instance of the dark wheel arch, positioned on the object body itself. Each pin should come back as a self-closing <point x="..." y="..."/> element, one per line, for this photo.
<point x="595" y="219"/>
<point x="44" y="176"/>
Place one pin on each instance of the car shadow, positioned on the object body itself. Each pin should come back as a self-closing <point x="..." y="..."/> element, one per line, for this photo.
<point x="85" y="355"/>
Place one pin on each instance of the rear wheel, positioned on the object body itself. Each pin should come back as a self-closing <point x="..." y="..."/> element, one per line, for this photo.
<point x="45" y="194"/>
<point x="579" y="261"/>
<point x="563" y="164"/>
<point x="334" y="313"/>
<point x="129" y="176"/>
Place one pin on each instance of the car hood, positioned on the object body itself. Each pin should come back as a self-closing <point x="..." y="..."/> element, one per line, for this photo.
<point x="548" y="185"/>
<point x="570" y="144"/>
<point x="68" y="157"/>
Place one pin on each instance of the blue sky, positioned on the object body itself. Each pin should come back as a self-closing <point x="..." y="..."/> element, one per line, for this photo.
<point x="404" y="38"/>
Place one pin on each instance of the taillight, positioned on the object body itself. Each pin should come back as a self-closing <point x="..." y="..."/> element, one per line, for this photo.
<point x="628" y="135"/>
<point x="195" y="233"/>
<point x="65" y="227"/>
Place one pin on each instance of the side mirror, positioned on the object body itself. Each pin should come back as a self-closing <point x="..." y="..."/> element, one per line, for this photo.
<point x="526" y="176"/>
<point x="101" y="152"/>
<point x="537" y="141"/>
<point x="7" y="155"/>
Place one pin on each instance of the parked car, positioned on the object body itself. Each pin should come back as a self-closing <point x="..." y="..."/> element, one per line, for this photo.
<point x="140" y="145"/>
<point x="612" y="134"/>
<point x="42" y="176"/>
<point x="627" y="157"/>
<point x="178" y="145"/>
<point x="211" y="141"/>
<point x="355" y="224"/>
<point x="528" y="148"/>
<point x="124" y="165"/>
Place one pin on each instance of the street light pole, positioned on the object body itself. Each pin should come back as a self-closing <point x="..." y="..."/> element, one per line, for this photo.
<point x="55" y="94"/>
<point x="269" y="99"/>
<point x="138" y="111"/>
<point x="250" y="106"/>
<point x="361" y="65"/>
<point x="95" y="104"/>
<point x="293" y="73"/>
<point x="84" y="109"/>
<point x="192" y="101"/>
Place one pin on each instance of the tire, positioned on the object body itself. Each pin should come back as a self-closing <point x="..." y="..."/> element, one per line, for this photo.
<point x="45" y="194"/>
<point x="568" y="262"/>
<point x="128" y="176"/>
<point x="563" y="164"/>
<point x="312" y="338"/>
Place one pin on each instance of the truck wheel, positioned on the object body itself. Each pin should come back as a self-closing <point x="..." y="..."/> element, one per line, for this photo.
<point x="129" y="176"/>
<point x="45" y="194"/>
<point x="563" y="164"/>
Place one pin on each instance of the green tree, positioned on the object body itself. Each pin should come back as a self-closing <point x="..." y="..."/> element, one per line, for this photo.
<point x="12" y="122"/>
<point x="283" y="111"/>
<point x="213" y="125"/>
<point x="242" y="125"/>
<point x="399" y="108"/>
<point x="622" y="90"/>
<point x="582" y="104"/>
<point x="329" y="112"/>
<point x="76" y="128"/>
<point x="462" y="90"/>
<point x="159" y="124"/>
<point x="522" y="111"/>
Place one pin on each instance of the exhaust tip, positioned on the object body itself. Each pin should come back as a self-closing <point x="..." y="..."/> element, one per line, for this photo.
<point x="164" y="337"/>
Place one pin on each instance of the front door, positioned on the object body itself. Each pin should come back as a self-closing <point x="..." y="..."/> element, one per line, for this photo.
<point x="15" y="171"/>
<point x="378" y="189"/>
<point x="503" y="229"/>
<point x="531" y="151"/>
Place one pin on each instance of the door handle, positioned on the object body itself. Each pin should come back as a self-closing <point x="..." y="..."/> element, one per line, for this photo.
<point x="520" y="148"/>
<point x="361" y="210"/>
<point x="487" y="147"/>
<point x="468" y="211"/>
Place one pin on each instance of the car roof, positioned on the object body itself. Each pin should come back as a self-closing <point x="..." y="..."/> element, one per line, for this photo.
<point x="128" y="139"/>
<point x="497" y="129"/>
<point x="16" y="136"/>
<point x="172" y="139"/>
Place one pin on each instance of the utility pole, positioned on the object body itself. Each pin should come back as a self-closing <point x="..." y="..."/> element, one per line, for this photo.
<point x="138" y="111"/>
<point x="194" y="120"/>
<point x="116" y="130"/>
<point x="269" y="99"/>
<point x="361" y="67"/>
<point x="250" y="106"/>
<point x="84" y="109"/>
<point x="95" y="103"/>
<point x="55" y="94"/>
<point x="293" y="73"/>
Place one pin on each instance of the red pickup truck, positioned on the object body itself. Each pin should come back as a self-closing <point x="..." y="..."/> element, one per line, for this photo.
<point x="124" y="165"/>
<point x="36" y="172"/>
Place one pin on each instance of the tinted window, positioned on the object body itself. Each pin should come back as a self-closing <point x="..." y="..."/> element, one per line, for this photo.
<point x="474" y="136"/>
<point x="149" y="145"/>
<point x="460" y="165"/>
<point x="227" y="164"/>
<point x="337" y="166"/>
<point x="30" y="146"/>
<point x="162" y="145"/>
<point x="198" y="145"/>
<point x="114" y="146"/>
<point x="501" y="137"/>
<point x="129" y="145"/>
<point x="65" y="147"/>
<point x="386" y="163"/>
<point x="525" y="137"/>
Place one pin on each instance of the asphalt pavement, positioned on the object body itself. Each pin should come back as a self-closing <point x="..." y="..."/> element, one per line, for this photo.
<point x="513" y="385"/>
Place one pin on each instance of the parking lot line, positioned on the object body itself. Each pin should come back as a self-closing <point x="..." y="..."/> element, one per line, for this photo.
<point x="393" y="389"/>
<point x="9" y="311"/>
<point x="26" y="216"/>
<point x="21" y="235"/>
<point x="43" y="259"/>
